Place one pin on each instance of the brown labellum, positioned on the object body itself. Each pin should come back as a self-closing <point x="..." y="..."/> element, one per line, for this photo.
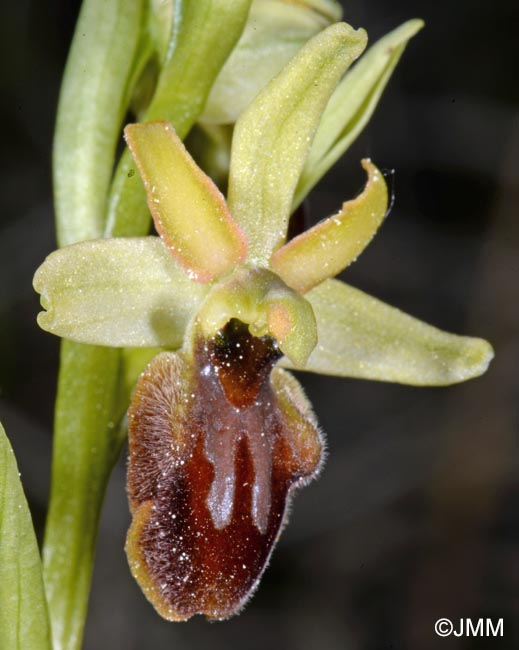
<point x="217" y="445"/>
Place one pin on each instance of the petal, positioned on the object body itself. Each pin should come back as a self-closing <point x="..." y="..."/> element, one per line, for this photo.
<point x="272" y="138"/>
<point x="352" y="105"/>
<point x="189" y="211"/>
<point x="360" y="336"/>
<point x="118" y="292"/>
<point x="212" y="470"/>
<point x="330" y="246"/>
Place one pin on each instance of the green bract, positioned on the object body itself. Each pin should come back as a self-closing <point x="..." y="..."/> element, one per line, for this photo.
<point x="274" y="33"/>
<point x="233" y="262"/>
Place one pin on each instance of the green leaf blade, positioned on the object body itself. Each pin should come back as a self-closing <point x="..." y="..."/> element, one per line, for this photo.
<point x="272" y="137"/>
<point x="360" y="336"/>
<point x="126" y="292"/>
<point x="23" y="610"/>
<point x="352" y="105"/>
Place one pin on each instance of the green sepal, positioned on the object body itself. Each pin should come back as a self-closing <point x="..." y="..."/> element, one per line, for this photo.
<point x="121" y="292"/>
<point x="352" y="105"/>
<point x="272" y="137"/>
<point x="360" y="336"/>
<point x="24" y="621"/>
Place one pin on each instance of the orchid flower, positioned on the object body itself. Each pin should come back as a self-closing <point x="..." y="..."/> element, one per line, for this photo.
<point x="220" y="433"/>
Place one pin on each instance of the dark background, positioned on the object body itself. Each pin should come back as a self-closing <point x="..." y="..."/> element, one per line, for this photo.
<point x="413" y="517"/>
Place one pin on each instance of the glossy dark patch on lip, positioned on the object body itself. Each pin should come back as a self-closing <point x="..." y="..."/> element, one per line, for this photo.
<point x="210" y="473"/>
<point x="243" y="361"/>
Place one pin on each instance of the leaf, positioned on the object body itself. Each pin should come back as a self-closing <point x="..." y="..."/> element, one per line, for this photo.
<point x="329" y="247"/>
<point x="92" y="101"/>
<point x="189" y="211"/>
<point x="272" y="137"/>
<point x="126" y="292"/>
<point x="23" y="610"/>
<point x="204" y="34"/>
<point x="352" y="105"/>
<point x="360" y="336"/>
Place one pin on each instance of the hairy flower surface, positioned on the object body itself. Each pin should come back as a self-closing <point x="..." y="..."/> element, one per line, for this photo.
<point x="217" y="444"/>
<point x="220" y="435"/>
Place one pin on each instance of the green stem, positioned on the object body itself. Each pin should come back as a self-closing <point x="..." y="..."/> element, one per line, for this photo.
<point x="85" y="449"/>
